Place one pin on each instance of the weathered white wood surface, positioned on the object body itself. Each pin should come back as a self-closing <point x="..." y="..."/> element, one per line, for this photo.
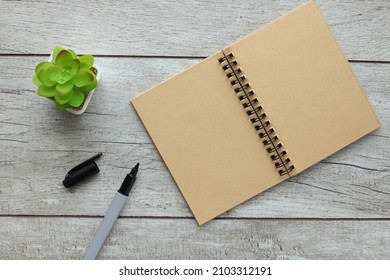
<point x="300" y="218"/>
<point x="178" y="28"/>
<point x="42" y="144"/>
<point x="67" y="238"/>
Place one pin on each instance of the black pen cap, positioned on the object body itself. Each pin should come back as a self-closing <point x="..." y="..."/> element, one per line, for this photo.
<point x="81" y="171"/>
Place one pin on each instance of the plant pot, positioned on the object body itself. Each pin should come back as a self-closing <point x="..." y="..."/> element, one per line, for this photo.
<point x="80" y="110"/>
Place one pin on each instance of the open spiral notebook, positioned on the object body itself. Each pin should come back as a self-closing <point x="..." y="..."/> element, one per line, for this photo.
<point x="257" y="112"/>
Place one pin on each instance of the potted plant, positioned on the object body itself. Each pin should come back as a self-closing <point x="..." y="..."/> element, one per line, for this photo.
<point x="68" y="80"/>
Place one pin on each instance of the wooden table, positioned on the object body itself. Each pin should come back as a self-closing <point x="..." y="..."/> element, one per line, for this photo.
<point x="338" y="209"/>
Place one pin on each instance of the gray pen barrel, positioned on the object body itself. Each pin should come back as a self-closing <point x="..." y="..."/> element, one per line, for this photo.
<point x="104" y="229"/>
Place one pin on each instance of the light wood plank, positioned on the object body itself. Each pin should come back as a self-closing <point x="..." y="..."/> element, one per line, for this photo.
<point x="67" y="238"/>
<point x="39" y="144"/>
<point x="172" y="28"/>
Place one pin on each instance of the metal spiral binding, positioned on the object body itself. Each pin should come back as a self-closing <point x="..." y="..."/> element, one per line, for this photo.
<point x="256" y="113"/>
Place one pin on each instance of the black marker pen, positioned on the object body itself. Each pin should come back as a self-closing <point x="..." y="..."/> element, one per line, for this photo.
<point x="112" y="214"/>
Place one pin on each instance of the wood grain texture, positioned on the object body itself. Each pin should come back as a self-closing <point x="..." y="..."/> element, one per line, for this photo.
<point x="338" y="209"/>
<point x="172" y="28"/>
<point x="40" y="144"/>
<point x="68" y="238"/>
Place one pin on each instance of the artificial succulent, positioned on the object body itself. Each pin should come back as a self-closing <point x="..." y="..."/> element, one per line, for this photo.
<point x="66" y="79"/>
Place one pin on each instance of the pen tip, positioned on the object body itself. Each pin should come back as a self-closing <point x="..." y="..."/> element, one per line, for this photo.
<point x="134" y="171"/>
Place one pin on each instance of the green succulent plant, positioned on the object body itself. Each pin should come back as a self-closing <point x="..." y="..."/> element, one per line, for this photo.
<point x="66" y="79"/>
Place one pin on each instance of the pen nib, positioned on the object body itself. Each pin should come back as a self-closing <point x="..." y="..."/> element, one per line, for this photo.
<point x="134" y="171"/>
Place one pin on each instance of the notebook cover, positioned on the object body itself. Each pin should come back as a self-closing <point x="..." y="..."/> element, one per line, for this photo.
<point x="305" y="86"/>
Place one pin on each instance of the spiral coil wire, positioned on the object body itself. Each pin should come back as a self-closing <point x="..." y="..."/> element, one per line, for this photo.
<point x="256" y="113"/>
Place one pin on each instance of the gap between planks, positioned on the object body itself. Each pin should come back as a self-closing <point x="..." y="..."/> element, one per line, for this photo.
<point x="192" y="218"/>
<point x="171" y="57"/>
